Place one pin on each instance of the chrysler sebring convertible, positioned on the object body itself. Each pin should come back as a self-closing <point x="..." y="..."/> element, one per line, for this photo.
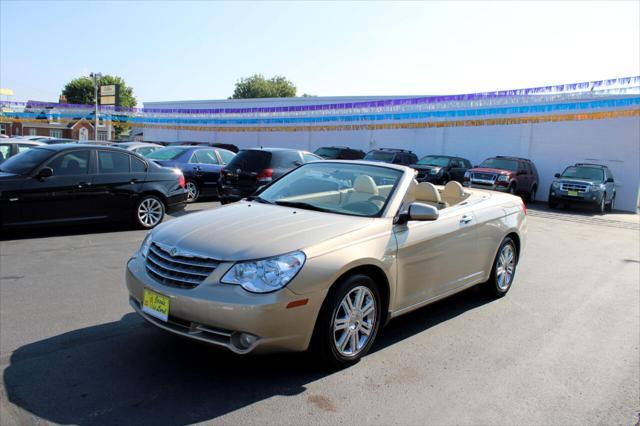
<point x="323" y="257"/>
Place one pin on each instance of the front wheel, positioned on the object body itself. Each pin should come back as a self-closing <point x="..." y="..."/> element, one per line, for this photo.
<point x="348" y="322"/>
<point x="504" y="269"/>
<point x="601" y="206"/>
<point x="149" y="212"/>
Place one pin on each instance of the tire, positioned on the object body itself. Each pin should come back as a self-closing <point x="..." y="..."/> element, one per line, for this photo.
<point x="149" y="212"/>
<point x="532" y="195"/>
<point x="512" y="189"/>
<point x="553" y="204"/>
<point x="601" y="207"/>
<point x="193" y="191"/>
<point x="609" y="207"/>
<point x="500" y="281"/>
<point x="341" y="339"/>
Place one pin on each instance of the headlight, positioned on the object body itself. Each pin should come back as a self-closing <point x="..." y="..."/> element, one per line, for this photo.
<point x="265" y="275"/>
<point x="555" y="184"/>
<point x="434" y="171"/>
<point x="503" y="178"/>
<point x="146" y="244"/>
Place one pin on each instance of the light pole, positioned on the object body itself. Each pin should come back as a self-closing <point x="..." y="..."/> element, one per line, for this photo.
<point x="96" y="80"/>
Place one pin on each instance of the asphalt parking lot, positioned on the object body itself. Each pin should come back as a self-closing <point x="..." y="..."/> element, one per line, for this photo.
<point x="561" y="348"/>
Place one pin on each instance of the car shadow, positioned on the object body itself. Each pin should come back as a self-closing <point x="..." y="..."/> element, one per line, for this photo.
<point x="128" y="372"/>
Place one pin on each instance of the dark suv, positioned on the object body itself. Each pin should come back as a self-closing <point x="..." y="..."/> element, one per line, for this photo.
<point x="392" y="155"/>
<point x="440" y="169"/>
<point x="253" y="168"/>
<point x="584" y="183"/>
<point x="507" y="174"/>
<point x="339" y="153"/>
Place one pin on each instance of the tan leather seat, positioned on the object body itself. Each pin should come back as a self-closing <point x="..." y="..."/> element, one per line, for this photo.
<point x="454" y="193"/>
<point x="427" y="193"/>
<point x="364" y="187"/>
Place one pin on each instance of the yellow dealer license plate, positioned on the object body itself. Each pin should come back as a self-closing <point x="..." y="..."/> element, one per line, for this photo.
<point x="155" y="305"/>
<point x="573" y="193"/>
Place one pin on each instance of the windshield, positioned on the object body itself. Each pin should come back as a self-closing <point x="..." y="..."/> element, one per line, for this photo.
<point x="170" y="153"/>
<point x="500" y="163"/>
<point x="387" y="157"/>
<point x="327" y="152"/>
<point x="351" y="189"/>
<point x="588" y="173"/>
<point x="432" y="160"/>
<point x="24" y="162"/>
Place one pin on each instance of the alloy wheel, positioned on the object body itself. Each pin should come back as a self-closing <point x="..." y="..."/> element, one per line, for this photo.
<point x="192" y="191"/>
<point x="505" y="267"/>
<point x="150" y="212"/>
<point x="354" y="321"/>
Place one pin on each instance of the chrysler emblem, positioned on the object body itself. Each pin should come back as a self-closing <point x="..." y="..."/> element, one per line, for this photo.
<point x="173" y="251"/>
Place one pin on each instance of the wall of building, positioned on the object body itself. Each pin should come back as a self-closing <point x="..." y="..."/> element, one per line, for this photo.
<point x="614" y="142"/>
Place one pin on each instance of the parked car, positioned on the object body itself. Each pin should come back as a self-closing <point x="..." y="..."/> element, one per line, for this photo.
<point x="10" y="147"/>
<point x="86" y="183"/>
<point x="228" y="146"/>
<point x="325" y="268"/>
<point x="507" y="174"/>
<point x="200" y="165"/>
<point x="584" y="183"/>
<point x="339" y="153"/>
<point x="142" y="148"/>
<point x="392" y="155"/>
<point x="55" y="141"/>
<point x="253" y="168"/>
<point x="440" y="169"/>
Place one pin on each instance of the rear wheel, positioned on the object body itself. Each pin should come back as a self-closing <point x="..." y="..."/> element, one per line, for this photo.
<point x="193" y="191"/>
<point x="149" y="212"/>
<point x="348" y="322"/>
<point x="512" y="189"/>
<point x="504" y="269"/>
<point x="532" y="195"/>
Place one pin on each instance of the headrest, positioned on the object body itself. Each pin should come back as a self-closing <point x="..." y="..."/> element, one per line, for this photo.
<point x="426" y="191"/>
<point x="453" y="189"/>
<point x="364" y="183"/>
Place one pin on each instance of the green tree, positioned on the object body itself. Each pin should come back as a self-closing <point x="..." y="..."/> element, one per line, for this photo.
<point x="257" y="86"/>
<point x="80" y="91"/>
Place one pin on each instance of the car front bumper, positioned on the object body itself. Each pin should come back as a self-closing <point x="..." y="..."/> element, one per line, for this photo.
<point x="494" y="187"/>
<point x="219" y="313"/>
<point x="177" y="201"/>
<point x="231" y="193"/>
<point x="560" y="196"/>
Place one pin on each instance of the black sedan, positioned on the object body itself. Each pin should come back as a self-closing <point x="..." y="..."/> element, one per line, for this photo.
<point x="440" y="169"/>
<point x="86" y="183"/>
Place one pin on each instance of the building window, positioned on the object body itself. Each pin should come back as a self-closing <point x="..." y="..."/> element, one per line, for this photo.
<point x="102" y="136"/>
<point x="33" y="132"/>
<point x="55" y="133"/>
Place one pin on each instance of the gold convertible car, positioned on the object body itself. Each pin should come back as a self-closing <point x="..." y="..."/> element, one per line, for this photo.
<point x="323" y="257"/>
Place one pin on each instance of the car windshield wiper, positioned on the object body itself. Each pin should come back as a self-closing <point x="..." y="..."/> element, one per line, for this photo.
<point x="259" y="199"/>
<point x="302" y="205"/>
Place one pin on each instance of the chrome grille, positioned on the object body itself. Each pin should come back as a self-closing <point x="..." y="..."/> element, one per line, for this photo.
<point x="572" y="186"/>
<point x="178" y="270"/>
<point x="483" y="178"/>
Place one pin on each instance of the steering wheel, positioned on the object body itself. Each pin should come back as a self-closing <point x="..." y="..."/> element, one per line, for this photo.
<point x="364" y="207"/>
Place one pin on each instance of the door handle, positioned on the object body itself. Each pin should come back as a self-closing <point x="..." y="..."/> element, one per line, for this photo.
<point x="466" y="219"/>
<point x="83" y="184"/>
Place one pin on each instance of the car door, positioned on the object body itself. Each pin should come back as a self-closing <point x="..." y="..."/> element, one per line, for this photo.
<point x="206" y="167"/>
<point x="456" y="170"/>
<point x="438" y="257"/>
<point x="114" y="185"/>
<point x="66" y="195"/>
<point x="609" y="184"/>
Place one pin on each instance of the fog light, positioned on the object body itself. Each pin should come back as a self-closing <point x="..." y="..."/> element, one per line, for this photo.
<point x="593" y="198"/>
<point x="245" y="340"/>
<point x="553" y="193"/>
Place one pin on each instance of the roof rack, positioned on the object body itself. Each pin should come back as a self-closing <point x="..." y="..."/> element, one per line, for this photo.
<point x="590" y="164"/>
<point x="394" y="149"/>
<point x="512" y="157"/>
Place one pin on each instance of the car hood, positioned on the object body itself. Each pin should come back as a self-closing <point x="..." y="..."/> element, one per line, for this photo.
<point x="490" y="170"/>
<point x="424" y="167"/>
<point x="576" y="180"/>
<point x="244" y="230"/>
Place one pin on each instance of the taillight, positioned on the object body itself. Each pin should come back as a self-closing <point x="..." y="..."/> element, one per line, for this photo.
<point x="524" y="208"/>
<point x="181" y="181"/>
<point x="222" y="172"/>
<point x="266" y="174"/>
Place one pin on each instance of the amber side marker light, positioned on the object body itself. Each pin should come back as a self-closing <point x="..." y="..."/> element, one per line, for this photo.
<point x="297" y="303"/>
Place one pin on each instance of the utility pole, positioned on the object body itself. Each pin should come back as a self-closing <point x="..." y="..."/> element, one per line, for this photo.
<point x="96" y="80"/>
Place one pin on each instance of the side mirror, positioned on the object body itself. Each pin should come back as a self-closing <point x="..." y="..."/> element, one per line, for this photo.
<point x="557" y="175"/>
<point x="609" y="180"/>
<point x="45" y="172"/>
<point x="421" y="211"/>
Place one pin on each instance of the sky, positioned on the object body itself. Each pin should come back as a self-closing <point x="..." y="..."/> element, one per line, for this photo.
<point x="198" y="50"/>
